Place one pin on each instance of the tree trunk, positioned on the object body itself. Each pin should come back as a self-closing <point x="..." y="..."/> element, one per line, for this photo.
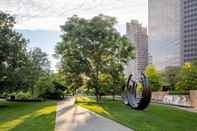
<point x="98" y="96"/>
<point x="32" y="92"/>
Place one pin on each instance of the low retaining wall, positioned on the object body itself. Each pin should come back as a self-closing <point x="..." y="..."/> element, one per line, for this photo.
<point x="158" y="96"/>
<point x="180" y="100"/>
<point x="193" y="98"/>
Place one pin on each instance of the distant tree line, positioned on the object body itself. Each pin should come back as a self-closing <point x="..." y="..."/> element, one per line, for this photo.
<point x="174" y="78"/>
<point x="21" y="68"/>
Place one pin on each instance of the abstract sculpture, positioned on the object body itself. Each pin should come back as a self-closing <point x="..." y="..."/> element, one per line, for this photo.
<point x="137" y="93"/>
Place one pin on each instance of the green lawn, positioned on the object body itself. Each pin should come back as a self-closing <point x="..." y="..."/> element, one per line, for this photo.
<point x="154" y="118"/>
<point x="31" y="116"/>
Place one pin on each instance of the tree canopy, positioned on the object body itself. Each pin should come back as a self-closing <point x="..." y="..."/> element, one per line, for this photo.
<point x="20" y="66"/>
<point x="92" y="47"/>
<point x="187" y="77"/>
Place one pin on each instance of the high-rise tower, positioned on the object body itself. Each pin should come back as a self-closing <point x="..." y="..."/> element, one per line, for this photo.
<point x="189" y="30"/>
<point x="138" y="36"/>
<point x="164" y="31"/>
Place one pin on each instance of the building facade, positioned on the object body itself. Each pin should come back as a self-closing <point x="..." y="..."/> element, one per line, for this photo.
<point x="139" y="38"/>
<point x="189" y="30"/>
<point x="164" y="31"/>
<point x="172" y="32"/>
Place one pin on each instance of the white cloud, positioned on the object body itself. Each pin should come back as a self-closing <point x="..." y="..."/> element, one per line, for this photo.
<point x="49" y="14"/>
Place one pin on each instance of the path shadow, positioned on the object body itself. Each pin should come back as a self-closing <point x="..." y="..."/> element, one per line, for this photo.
<point x="64" y="110"/>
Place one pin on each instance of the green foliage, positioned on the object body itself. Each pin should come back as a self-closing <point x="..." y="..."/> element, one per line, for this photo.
<point x="180" y="92"/>
<point x="12" y="54"/>
<point x="91" y="48"/>
<point x="23" y="95"/>
<point x="43" y="86"/>
<point x="27" y="116"/>
<point x="187" y="77"/>
<point x="46" y="87"/>
<point x="19" y="68"/>
<point x="170" y="77"/>
<point x="154" y="77"/>
<point x="174" y="78"/>
<point x="194" y="62"/>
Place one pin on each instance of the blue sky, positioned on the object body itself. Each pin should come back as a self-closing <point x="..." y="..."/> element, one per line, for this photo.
<point x="44" y="39"/>
<point x="39" y="20"/>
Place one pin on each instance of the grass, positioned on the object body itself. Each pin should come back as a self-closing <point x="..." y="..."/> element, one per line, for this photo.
<point x="27" y="116"/>
<point x="154" y="118"/>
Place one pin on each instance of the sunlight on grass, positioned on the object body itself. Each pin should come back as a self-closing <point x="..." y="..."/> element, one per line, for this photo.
<point x="13" y="123"/>
<point x="6" y="126"/>
<point x="84" y="99"/>
<point x="46" y="110"/>
<point x="14" y="120"/>
<point x="154" y="118"/>
<point x="91" y="105"/>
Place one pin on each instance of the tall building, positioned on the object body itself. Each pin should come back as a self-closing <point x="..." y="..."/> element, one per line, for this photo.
<point x="164" y="31"/>
<point x="189" y="30"/>
<point x="138" y="36"/>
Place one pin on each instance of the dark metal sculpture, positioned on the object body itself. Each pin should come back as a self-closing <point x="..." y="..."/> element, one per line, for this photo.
<point x="137" y="94"/>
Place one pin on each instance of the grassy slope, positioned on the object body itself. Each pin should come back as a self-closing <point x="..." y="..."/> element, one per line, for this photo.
<point x="19" y="116"/>
<point x="155" y="118"/>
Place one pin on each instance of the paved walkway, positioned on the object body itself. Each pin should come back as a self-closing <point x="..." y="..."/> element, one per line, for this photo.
<point x="75" y="118"/>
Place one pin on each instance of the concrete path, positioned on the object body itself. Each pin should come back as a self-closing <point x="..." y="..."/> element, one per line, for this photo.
<point x="75" y="118"/>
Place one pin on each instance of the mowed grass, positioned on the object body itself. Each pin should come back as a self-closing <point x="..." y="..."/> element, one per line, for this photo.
<point x="27" y="116"/>
<point x="154" y="118"/>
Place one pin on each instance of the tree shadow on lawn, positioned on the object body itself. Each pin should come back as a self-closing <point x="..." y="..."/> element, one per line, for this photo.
<point x="45" y="122"/>
<point x="14" y="115"/>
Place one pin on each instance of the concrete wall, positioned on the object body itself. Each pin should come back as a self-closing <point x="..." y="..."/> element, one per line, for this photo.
<point x="193" y="98"/>
<point x="158" y="96"/>
<point x="181" y="100"/>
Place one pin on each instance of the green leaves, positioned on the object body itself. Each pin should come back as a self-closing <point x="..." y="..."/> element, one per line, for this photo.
<point x="153" y="77"/>
<point x="19" y="68"/>
<point x="93" y="47"/>
<point x="174" y="78"/>
<point x="187" y="77"/>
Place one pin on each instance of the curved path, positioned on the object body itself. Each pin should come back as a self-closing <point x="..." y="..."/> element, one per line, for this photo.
<point x="70" y="117"/>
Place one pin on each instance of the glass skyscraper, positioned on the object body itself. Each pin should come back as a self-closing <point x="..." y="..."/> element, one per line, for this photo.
<point x="164" y="30"/>
<point x="189" y="30"/>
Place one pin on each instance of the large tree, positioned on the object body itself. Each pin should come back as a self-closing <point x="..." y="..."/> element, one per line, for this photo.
<point x="37" y="66"/>
<point x="12" y="54"/>
<point x="88" y="47"/>
<point x="19" y="67"/>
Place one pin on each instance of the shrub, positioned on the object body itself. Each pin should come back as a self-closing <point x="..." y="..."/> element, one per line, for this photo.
<point x="187" y="77"/>
<point x="46" y="88"/>
<point x="23" y="95"/>
<point x="3" y="95"/>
